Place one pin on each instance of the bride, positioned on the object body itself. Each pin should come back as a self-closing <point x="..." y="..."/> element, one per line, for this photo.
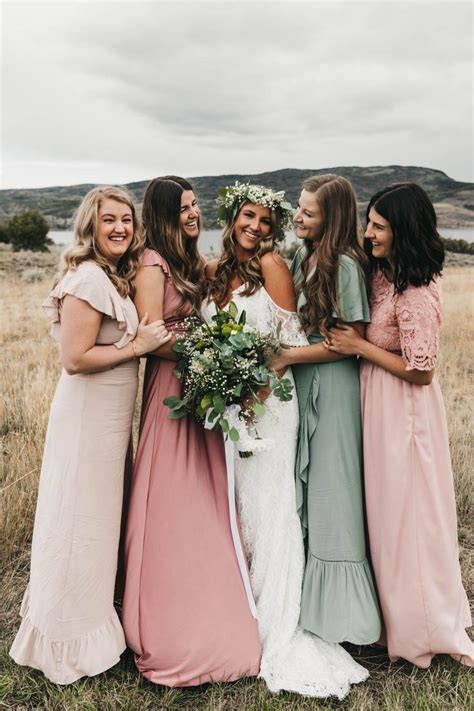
<point x="252" y="275"/>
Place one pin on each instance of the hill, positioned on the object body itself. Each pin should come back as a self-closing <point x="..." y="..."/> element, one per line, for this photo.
<point x="454" y="200"/>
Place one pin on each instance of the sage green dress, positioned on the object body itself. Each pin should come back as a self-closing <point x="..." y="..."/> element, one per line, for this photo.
<point x="339" y="602"/>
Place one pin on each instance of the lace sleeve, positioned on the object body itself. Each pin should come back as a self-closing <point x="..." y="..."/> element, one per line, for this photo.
<point x="418" y="312"/>
<point x="290" y="330"/>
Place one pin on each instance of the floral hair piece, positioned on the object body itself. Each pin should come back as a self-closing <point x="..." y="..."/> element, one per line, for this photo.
<point x="231" y="198"/>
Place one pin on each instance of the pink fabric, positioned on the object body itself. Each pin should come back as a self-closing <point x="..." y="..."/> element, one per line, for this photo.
<point x="185" y="611"/>
<point x="90" y="283"/>
<point x="411" y="509"/>
<point x="69" y="626"/>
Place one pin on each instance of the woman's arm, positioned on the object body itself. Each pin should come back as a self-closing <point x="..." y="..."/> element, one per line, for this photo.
<point x="149" y="294"/>
<point x="278" y="283"/>
<point x="314" y="353"/>
<point x="80" y="324"/>
<point x="343" y="339"/>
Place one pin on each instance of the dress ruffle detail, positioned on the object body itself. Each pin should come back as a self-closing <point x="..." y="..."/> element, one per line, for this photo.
<point x="63" y="662"/>
<point x="100" y="293"/>
<point x="308" y="424"/>
<point x="348" y="587"/>
<point x="150" y="258"/>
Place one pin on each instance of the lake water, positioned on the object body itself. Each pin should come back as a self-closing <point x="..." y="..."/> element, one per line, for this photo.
<point x="210" y="239"/>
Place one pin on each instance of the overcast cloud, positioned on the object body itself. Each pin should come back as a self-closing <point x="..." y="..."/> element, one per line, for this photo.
<point x="121" y="91"/>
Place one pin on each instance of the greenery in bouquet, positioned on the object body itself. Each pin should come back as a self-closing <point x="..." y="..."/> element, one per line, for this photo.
<point x="224" y="363"/>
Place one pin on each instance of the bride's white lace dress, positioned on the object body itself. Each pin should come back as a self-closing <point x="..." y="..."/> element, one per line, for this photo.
<point x="292" y="659"/>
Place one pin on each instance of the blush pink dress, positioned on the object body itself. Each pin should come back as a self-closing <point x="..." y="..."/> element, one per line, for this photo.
<point x="69" y="626"/>
<point x="185" y="610"/>
<point x="411" y="508"/>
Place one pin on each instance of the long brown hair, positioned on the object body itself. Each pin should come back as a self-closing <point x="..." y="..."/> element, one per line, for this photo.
<point x="228" y="266"/>
<point x="160" y="215"/>
<point x="342" y="235"/>
<point x="85" y="249"/>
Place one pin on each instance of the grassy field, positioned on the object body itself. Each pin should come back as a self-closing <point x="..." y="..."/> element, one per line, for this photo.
<point x="29" y="371"/>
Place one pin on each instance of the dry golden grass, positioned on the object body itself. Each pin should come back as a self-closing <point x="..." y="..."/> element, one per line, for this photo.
<point x="29" y="372"/>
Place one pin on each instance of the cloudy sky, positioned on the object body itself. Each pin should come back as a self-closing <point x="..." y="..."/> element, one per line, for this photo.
<point x="120" y="91"/>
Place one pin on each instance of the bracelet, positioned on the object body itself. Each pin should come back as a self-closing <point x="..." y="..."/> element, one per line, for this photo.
<point x="134" y="349"/>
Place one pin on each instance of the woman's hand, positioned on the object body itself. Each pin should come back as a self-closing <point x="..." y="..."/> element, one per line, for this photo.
<point x="344" y="339"/>
<point x="280" y="362"/>
<point x="150" y="336"/>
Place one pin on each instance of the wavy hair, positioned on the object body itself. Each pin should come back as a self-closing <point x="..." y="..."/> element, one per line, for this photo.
<point x="417" y="253"/>
<point x="228" y="266"/>
<point x="160" y="216"/>
<point x="342" y="234"/>
<point x="85" y="249"/>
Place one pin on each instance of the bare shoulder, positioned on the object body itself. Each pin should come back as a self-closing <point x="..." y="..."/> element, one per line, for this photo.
<point x="278" y="281"/>
<point x="211" y="267"/>
<point x="273" y="260"/>
<point x="148" y="277"/>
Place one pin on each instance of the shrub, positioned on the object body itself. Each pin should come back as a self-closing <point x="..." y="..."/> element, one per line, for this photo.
<point x="461" y="246"/>
<point x="28" y="230"/>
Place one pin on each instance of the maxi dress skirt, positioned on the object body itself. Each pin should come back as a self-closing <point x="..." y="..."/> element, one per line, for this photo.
<point x="411" y="507"/>
<point x="185" y="612"/>
<point x="411" y="514"/>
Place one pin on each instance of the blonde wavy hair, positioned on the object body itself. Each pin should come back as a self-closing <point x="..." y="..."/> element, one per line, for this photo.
<point x="342" y="235"/>
<point x="228" y="266"/>
<point x="85" y="249"/>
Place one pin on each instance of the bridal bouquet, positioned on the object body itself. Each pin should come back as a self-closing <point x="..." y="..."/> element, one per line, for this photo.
<point x="223" y="366"/>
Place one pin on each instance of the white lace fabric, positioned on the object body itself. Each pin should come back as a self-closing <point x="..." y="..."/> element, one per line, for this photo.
<point x="292" y="659"/>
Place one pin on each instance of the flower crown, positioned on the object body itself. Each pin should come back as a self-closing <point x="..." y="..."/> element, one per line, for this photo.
<point x="231" y="198"/>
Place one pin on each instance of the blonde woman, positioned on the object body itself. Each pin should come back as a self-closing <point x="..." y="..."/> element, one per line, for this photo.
<point x="185" y="610"/>
<point x="69" y="627"/>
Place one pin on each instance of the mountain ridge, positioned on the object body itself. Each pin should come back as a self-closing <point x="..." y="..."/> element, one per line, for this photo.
<point x="454" y="200"/>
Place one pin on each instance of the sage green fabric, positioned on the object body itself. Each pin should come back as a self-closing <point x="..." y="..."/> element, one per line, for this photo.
<point x="339" y="602"/>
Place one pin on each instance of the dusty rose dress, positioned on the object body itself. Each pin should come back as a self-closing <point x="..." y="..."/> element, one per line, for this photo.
<point x="70" y="628"/>
<point x="411" y="508"/>
<point x="185" y="611"/>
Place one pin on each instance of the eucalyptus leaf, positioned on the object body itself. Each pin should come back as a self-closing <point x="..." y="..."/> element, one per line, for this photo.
<point x="259" y="409"/>
<point x="172" y="401"/>
<point x="219" y="403"/>
<point x="176" y="414"/>
<point x="224" y="425"/>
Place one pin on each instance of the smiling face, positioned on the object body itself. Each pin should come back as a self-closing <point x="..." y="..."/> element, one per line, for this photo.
<point x="308" y="219"/>
<point x="114" y="230"/>
<point x="189" y="216"/>
<point x="253" y="223"/>
<point x="380" y="235"/>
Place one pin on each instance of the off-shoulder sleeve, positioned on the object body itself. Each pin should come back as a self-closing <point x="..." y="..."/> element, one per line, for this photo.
<point x="352" y="292"/>
<point x="90" y="283"/>
<point x="418" y="313"/>
<point x="286" y="324"/>
<point x="150" y="258"/>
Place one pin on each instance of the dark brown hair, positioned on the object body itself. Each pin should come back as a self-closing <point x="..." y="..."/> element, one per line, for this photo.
<point x="417" y="252"/>
<point x="160" y="215"/>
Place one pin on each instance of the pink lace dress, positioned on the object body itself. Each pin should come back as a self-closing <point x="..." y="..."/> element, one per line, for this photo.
<point x="411" y="509"/>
